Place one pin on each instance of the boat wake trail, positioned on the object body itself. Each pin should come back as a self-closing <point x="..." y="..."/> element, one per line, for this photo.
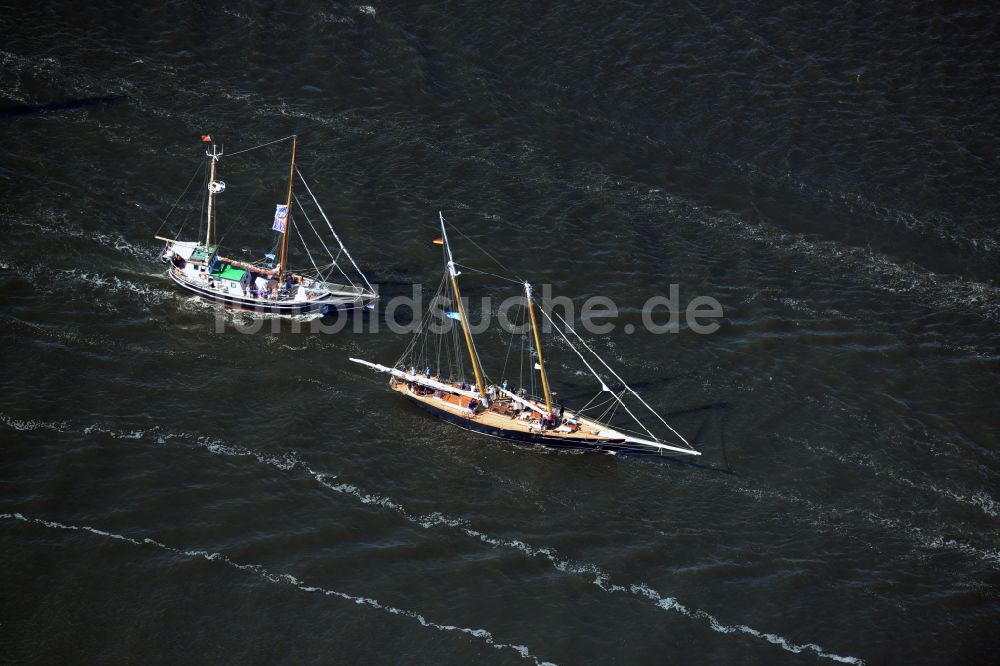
<point x="287" y="579"/>
<point x="40" y="276"/>
<point x="979" y="499"/>
<point x="831" y="518"/>
<point x="75" y="338"/>
<point x="600" y="578"/>
<point x="63" y="229"/>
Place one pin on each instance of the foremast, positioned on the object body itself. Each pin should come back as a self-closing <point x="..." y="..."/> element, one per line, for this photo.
<point x="453" y="274"/>
<point x="282" y="270"/>
<point x="538" y="349"/>
<point x="214" y="187"/>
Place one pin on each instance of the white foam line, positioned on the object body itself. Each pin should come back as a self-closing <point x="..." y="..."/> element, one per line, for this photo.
<point x="113" y="240"/>
<point x="71" y="337"/>
<point x="289" y="461"/>
<point x="601" y="579"/>
<point x="117" y="285"/>
<point x="111" y="284"/>
<point x="286" y="462"/>
<point x="427" y="521"/>
<point x="892" y="526"/>
<point x="979" y="499"/>
<point x="258" y="570"/>
<point x="31" y="424"/>
<point x="669" y="603"/>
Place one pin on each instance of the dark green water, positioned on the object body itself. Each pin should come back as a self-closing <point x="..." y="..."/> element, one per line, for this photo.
<point x="829" y="175"/>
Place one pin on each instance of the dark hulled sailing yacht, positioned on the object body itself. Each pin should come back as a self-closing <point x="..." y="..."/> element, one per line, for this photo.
<point x="497" y="410"/>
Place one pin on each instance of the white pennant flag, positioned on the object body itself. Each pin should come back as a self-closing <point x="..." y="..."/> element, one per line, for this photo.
<point x="280" y="218"/>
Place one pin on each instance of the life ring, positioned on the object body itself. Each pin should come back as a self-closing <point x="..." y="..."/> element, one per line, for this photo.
<point x="202" y="276"/>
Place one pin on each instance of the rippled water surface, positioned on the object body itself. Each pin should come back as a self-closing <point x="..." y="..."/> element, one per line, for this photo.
<point x="829" y="175"/>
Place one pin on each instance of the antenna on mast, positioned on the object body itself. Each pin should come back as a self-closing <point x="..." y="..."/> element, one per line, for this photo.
<point x="214" y="187"/>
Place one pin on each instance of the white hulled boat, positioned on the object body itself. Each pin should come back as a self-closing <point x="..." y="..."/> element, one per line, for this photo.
<point x="268" y="284"/>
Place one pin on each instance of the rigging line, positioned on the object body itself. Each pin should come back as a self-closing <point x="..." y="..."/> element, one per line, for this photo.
<point x="587" y="406"/>
<point x="629" y="431"/>
<point x="421" y="335"/>
<point x="442" y="285"/>
<point x="510" y="345"/>
<point x="421" y="332"/>
<point x="475" y="350"/>
<point x="532" y="355"/>
<point x="594" y="372"/>
<point x="525" y="345"/>
<point x="497" y="261"/>
<point x="308" y="189"/>
<point x="608" y="414"/>
<point x="308" y="253"/>
<point x="322" y="242"/>
<point x="437" y="355"/>
<point x="614" y="409"/>
<point x="201" y="165"/>
<point x="239" y="216"/>
<point x="247" y="150"/>
<point x="616" y="376"/>
<point x="482" y="272"/>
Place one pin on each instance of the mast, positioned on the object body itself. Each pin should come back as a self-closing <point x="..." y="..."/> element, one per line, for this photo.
<point x="461" y="311"/>
<point x="288" y="219"/>
<point x="538" y="348"/>
<point x="213" y="189"/>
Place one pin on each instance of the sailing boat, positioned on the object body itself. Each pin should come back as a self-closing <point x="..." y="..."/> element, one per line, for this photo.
<point x="266" y="285"/>
<point x="514" y="414"/>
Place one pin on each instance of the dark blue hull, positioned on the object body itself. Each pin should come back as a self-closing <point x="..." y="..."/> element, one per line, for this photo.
<point x="608" y="446"/>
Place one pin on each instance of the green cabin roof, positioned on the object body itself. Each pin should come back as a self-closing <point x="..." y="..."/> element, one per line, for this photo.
<point x="202" y="254"/>
<point x="229" y="273"/>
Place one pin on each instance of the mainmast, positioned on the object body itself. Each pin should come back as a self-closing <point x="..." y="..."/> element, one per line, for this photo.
<point x="288" y="219"/>
<point x="461" y="311"/>
<point x="214" y="187"/>
<point x="538" y="349"/>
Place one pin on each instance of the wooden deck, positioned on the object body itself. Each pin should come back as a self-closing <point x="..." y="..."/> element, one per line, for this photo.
<point x="500" y="414"/>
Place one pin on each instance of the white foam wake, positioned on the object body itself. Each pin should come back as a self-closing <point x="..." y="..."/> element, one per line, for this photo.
<point x="892" y="526"/>
<point x="42" y="282"/>
<point x="979" y="499"/>
<point x="600" y="578"/>
<point x="288" y="579"/>
<point x="669" y="603"/>
<point x="113" y="240"/>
